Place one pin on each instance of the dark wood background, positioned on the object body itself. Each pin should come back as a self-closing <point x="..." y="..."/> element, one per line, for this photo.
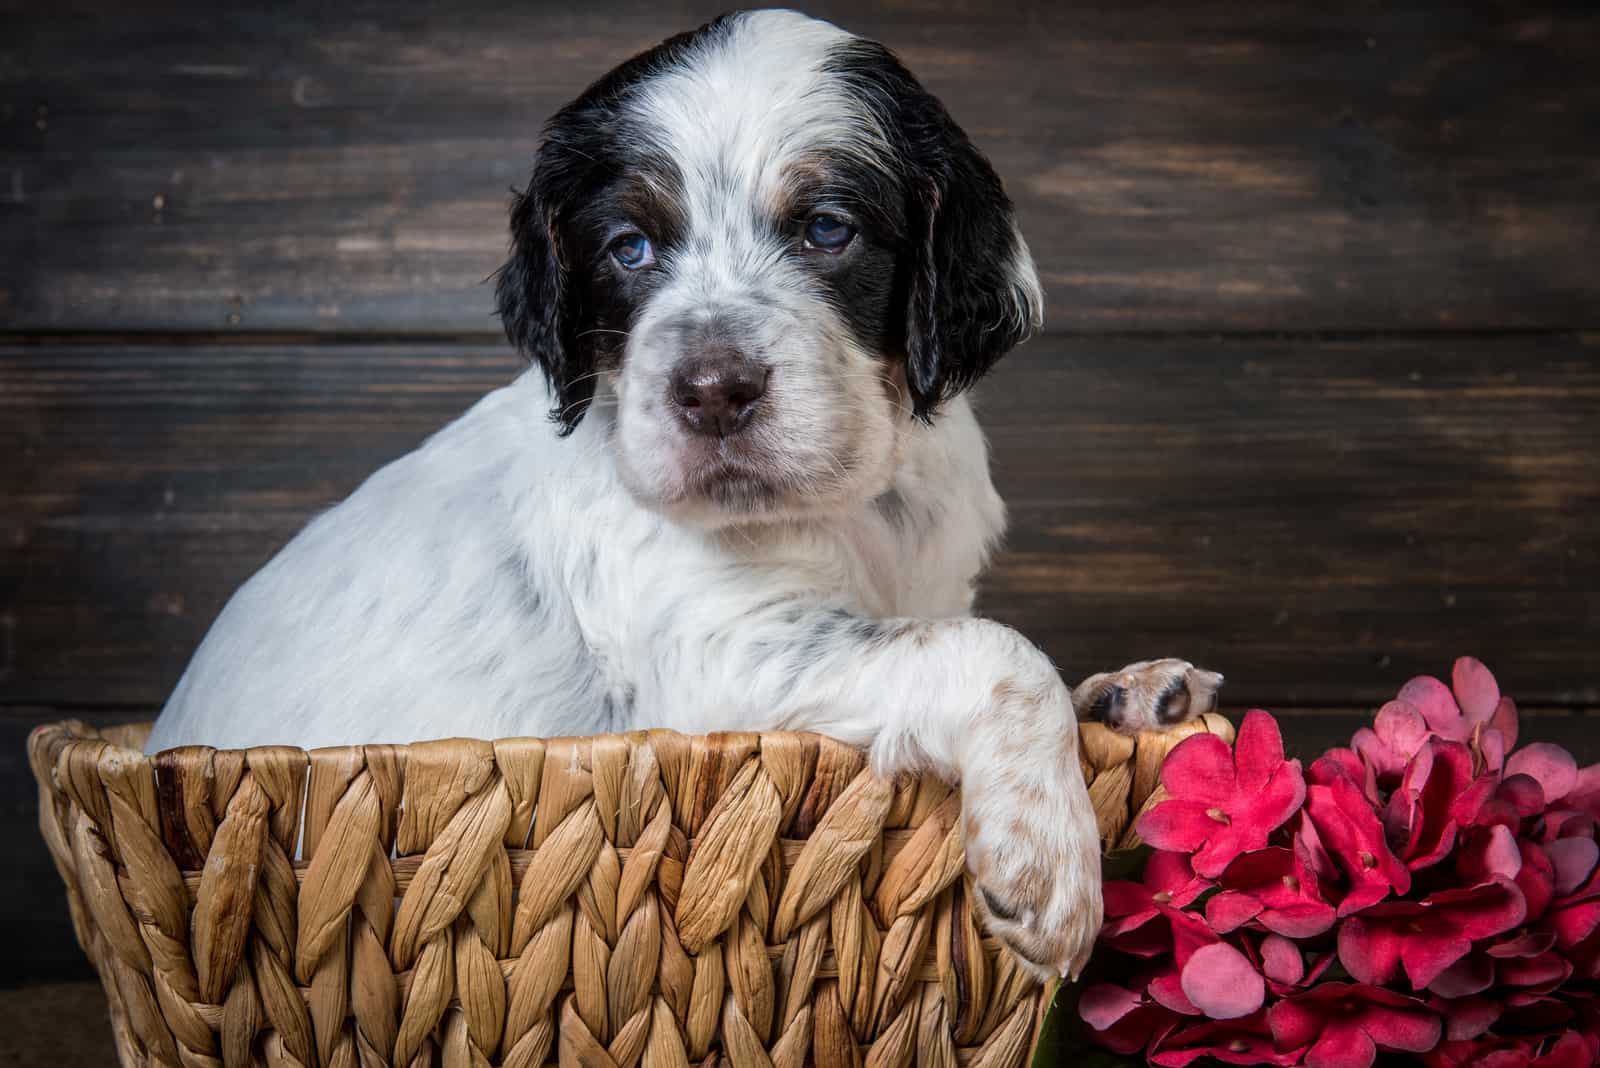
<point x="1319" y="403"/>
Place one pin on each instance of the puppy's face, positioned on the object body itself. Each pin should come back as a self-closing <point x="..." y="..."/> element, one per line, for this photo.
<point x="772" y="249"/>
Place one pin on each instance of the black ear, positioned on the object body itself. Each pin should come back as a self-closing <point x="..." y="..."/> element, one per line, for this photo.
<point x="539" y="306"/>
<point x="535" y="301"/>
<point x="972" y="293"/>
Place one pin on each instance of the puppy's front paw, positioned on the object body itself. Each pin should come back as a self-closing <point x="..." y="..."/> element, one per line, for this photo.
<point x="1147" y="696"/>
<point x="1035" y="857"/>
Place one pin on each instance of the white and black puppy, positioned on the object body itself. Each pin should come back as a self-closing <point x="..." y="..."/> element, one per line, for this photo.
<point x="756" y="267"/>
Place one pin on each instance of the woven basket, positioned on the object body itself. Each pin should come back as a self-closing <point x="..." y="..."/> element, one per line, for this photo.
<point x="649" y="898"/>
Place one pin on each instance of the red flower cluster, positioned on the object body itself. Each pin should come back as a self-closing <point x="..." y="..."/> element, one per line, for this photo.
<point x="1432" y="890"/>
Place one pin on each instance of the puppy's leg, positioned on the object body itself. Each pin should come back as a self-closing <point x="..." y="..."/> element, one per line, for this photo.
<point x="967" y="699"/>
<point x="1147" y="696"/>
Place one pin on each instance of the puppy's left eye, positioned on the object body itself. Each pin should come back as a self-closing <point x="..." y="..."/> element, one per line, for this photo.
<point x="828" y="233"/>
<point x="633" y="251"/>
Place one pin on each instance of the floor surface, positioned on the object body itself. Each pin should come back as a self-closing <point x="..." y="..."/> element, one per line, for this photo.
<point x="61" y="1024"/>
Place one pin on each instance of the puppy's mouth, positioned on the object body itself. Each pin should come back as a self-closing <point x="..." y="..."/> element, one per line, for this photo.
<point x="734" y="486"/>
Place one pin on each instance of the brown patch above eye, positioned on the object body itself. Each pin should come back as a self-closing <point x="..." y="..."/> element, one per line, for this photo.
<point x="649" y="201"/>
<point x="791" y="196"/>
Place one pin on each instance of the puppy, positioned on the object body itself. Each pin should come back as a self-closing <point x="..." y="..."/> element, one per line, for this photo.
<point x="756" y="268"/>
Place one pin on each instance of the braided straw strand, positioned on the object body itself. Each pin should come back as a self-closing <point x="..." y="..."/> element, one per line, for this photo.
<point x="641" y="899"/>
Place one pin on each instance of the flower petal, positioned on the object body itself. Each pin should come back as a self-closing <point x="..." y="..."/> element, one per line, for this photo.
<point x="1575" y="923"/>
<point x="1506" y="721"/>
<point x="1199" y="768"/>
<point x="1189" y="933"/>
<point x="1125" y="898"/>
<point x="1476" y="692"/>
<point x="1536" y="880"/>
<point x="1487" y="853"/>
<point x="1342" y="1045"/>
<point x="1468" y="1018"/>
<point x="1302" y="920"/>
<point x="1103" y="1004"/>
<point x="1179" y="825"/>
<point x="1408" y="1028"/>
<point x="1232" y="909"/>
<point x="1523" y="792"/>
<point x="1295" y="1022"/>
<point x="1401" y="727"/>
<point x="1167" y="990"/>
<point x="1427" y="954"/>
<point x="1281" y="797"/>
<point x="1258" y="868"/>
<point x="1281" y="960"/>
<point x="1369" y="951"/>
<point x="1472" y="974"/>
<point x="1548" y="763"/>
<point x="1258" y="752"/>
<point x="1574" y="860"/>
<point x="1481" y="911"/>
<point x="1168" y="872"/>
<point x="1571" y="1050"/>
<point x="1220" y="982"/>
<point x="1438" y="706"/>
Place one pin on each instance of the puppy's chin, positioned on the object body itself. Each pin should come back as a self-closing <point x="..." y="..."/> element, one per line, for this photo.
<point x="715" y="485"/>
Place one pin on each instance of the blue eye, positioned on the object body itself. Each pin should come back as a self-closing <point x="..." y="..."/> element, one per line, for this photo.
<point x="633" y="251"/>
<point x="828" y="233"/>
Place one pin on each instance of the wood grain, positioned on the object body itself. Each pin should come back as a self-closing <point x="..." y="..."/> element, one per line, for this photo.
<point x="1316" y="520"/>
<point x="1183" y="167"/>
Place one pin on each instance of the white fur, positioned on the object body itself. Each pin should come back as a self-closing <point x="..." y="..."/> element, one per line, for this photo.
<point x="504" y="581"/>
<point x="500" y="581"/>
<point x="736" y="122"/>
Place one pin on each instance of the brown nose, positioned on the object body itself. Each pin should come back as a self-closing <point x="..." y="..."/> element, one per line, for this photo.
<point x="717" y="397"/>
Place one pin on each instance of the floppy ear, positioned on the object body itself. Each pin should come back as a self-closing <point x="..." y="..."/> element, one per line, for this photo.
<point x="536" y="304"/>
<point x="973" y="294"/>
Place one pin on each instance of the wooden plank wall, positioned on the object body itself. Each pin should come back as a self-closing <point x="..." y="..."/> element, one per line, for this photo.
<point x="1317" y="405"/>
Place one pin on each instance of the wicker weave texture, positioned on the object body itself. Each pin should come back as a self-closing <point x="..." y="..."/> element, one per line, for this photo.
<point x="641" y="899"/>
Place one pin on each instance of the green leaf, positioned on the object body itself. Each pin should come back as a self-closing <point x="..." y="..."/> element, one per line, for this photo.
<point x="1124" y="863"/>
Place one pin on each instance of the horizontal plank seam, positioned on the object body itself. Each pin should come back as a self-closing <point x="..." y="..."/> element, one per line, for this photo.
<point x="249" y="338"/>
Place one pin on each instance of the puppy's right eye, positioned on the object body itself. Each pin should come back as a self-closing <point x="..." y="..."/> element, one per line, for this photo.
<point x="633" y="251"/>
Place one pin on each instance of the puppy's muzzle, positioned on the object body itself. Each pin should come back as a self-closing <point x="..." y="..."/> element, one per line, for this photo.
<point x="718" y="393"/>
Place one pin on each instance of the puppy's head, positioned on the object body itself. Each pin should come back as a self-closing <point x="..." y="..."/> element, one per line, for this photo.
<point x="772" y="249"/>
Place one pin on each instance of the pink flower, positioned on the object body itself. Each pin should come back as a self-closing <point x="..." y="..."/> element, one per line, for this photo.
<point x="1397" y="732"/>
<point x="1346" y="826"/>
<point x="1224" y="802"/>
<point x="1536" y="880"/>
<point x="1189" y="936"/>
<point x="1422" y="810"/>
<point x="1135" y="911"/>
<point x="1523" y="962"/>
<point x="1123" y="1020"/>
<point x="1551" y="766"/>
<point x="1222" y="983"/>
<point x="1244" y="1041"/>
<point x="1343" y="1025"/>
<point x="1428" y="936"/>
<point x="1585" y="795"/>
<point x="1474" y="714"/>
<point x="1273" y="887"/>
<point x="1431" y="853"/>
<point x="1280" y="961"/>
<point x="1486" y="853"/>
<point x="1567" y="1049"/>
